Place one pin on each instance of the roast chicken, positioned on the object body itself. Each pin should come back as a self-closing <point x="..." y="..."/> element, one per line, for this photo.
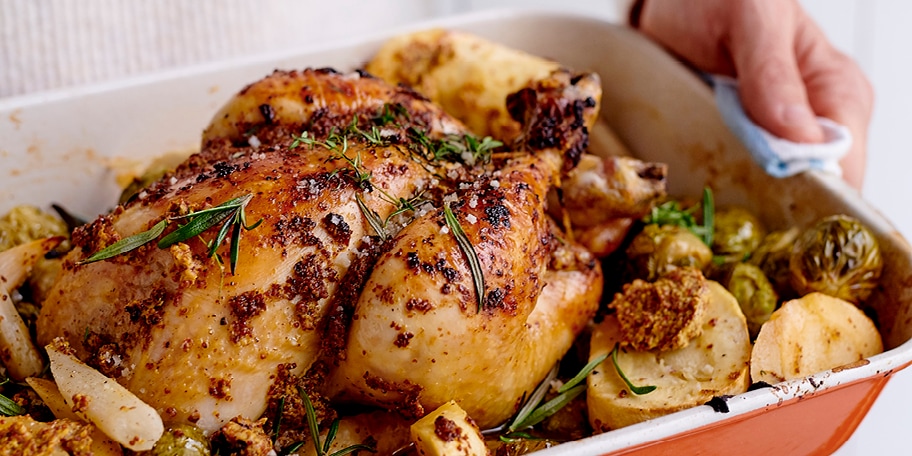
<point x="386" y="255"/>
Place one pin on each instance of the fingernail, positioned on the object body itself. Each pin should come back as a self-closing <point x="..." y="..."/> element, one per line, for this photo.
<point x="801" y="118"/>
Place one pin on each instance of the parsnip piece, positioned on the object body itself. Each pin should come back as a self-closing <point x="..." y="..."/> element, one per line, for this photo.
<point x="712" y="364"/>
<point x="468" y="76"/>
<point x="812" y="334"/>
<point x="102" y="445"/>
<point x="104" y="402"/>
<point x="17" y="352"/>
<point x="447" y="431"/>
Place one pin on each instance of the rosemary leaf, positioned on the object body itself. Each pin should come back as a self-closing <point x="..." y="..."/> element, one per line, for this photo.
<point x="311" y="421"/>
<point x="469" y="251"/>
<point x="709" y="216"/>
<point x="372" y="218"/>
<point x="353" y="448"/>
<point x="280" y="409"/>
<point x="638" y="390"/>
<point x="583" y="373"/>
<point x="551" y="407"/>
<point x="533" y="400"/>
<point x="127" y="244"/>
<point x="201" y="221"/>
<point x="219" y="238"/>
<point x="330" y="435"/>
<point x="235" y="244"/>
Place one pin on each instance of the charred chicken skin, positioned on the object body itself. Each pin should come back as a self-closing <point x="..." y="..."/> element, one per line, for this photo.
<point x="395" y="258"/>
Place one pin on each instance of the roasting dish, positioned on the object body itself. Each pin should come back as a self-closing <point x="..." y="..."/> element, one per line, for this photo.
<point x="74" y="148"/>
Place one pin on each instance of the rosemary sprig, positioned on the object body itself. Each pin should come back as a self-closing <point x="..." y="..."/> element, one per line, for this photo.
<point x="127" y="244"/>
<point x="638" y="390"/>
<point x="469" y="251"/>
<point x="231" y="213"/>
<point x="670" y="213"/>
<point x="372" y="218"/>
<point x="323" y="450"/>
<point x="7" y="406"/>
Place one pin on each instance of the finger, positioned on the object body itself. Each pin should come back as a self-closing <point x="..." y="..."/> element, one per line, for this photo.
<point x="838" y="90"/>
<point x="771" y="85"/>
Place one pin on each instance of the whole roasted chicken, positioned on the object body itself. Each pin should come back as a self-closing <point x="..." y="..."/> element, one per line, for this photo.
<point x="347" y="236"/>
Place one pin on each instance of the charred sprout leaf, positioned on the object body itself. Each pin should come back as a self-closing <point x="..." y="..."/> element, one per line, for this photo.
<point x="182" y="440"/>
<point x="638" y="390"/>
<point x="127" y="244"/>
<point x="469" y="251"/>
<point x="755" y="294"/>
<point x="657" y="250"/>
<point x="772" y="256"/>
<point x="837" y="256"/>
<point x="7" y="406"/>
<point x="737" y="233"/>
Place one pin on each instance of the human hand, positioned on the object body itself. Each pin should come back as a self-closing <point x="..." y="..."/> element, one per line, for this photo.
<point x="787" y="69"/>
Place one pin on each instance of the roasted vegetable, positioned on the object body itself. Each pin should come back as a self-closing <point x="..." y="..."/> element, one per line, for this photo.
<point x="754" y="292"/>
<point x="838" y="256"/>
<point x="659" y="249"/>
<point x="182" y="440"/>
<point x="737" y="232"/>
<point x="23" y="224"/>
<point x="809" y="335"/>
<point x="772" y="256"/>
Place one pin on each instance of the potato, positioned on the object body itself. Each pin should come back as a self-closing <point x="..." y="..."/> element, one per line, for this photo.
<point x="812" y="334"/>
<point x="447" y="431"/>
<point x="712" y="364"/>
<point x="104" y="402"/>
<point x="17" y="351"/>
<point x="468" y="76"/>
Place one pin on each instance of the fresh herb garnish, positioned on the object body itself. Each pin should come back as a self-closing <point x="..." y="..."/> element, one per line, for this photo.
<point x="323" y="450"/>
<point x="532" y="413"/>
<point x="468" y="251"/>
<point x="127" y="244"/>
<point x="7" y="406"/>
<point x="230" y="212"/>
<point x="670" y="213"/>
<point x="638" y="390"/>
<point x="372" y="218"/>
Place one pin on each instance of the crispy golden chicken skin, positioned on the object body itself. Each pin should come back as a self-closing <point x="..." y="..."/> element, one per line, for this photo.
<point x="344" y="175"/>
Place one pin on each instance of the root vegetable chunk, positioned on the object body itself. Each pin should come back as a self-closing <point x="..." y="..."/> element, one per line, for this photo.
<point x="104" y="402"/>
<point x="447" y="431"/>
<point x="812" y="334"/>
<point x="714" y="363"/>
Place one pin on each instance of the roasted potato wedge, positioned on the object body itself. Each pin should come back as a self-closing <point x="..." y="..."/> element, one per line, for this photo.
<point x="812" y="334"/>
<point x="468" y="76"/>
<point x="712" y="364"/>
<point x="447" y="431"/>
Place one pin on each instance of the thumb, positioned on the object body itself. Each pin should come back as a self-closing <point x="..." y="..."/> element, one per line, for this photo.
<point x="771" y="85"/>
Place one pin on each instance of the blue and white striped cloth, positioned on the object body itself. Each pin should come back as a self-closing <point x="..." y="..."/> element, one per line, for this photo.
<point x="779" y="157"/>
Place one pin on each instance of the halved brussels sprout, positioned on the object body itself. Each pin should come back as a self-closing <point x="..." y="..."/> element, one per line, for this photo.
<point x="659" y="249"/>
<point x="182" y="440"/>
<point x="754" y="292"/>
<point x="737" y="232"/>
<point x="773" y="256"/>
<point x="837" y="256"/>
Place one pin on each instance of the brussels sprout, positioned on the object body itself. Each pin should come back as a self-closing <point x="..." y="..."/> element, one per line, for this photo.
<point x="754" y="292"/>
<point x="23" y="224"/>
<point x="659" y="249"/>
<point x="737" y="232"/>
<point x="773" y="255"/>
<point x="182" y="440"/>
<point x="838" y="256"/>
<point x="518" y="447"/>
